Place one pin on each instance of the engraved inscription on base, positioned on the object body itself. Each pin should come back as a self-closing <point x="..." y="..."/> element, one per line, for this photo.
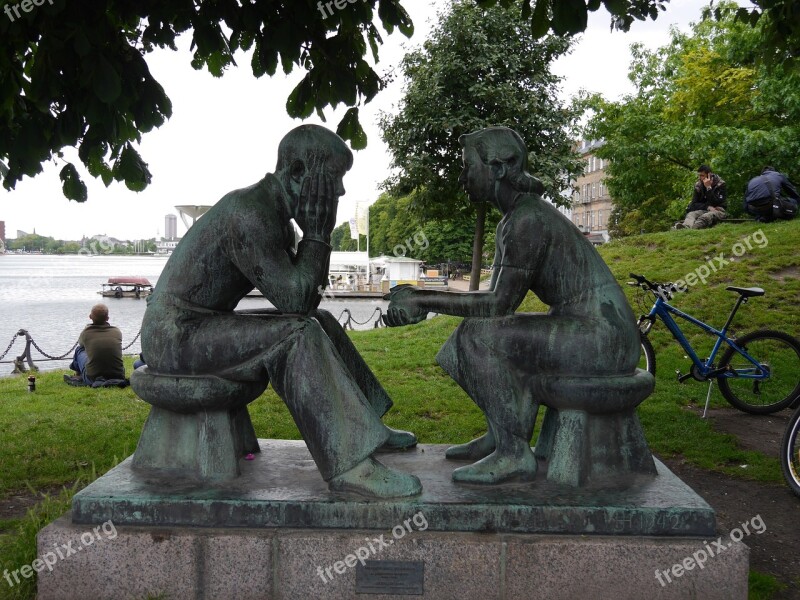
<point x="402" y="577"/>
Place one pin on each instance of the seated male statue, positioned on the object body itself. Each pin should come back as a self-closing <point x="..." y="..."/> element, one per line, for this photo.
<point x="247" y="240"/>
<point x="495" y="354"/>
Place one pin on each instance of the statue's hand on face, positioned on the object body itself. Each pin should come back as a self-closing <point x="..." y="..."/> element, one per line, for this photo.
<point x="316" y="212"/>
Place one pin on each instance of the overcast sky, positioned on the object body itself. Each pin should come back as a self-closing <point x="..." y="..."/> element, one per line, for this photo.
<point x="224" y="133"/>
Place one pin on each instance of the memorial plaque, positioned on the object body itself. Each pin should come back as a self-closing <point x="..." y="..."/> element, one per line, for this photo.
<point x="401" y="577"/>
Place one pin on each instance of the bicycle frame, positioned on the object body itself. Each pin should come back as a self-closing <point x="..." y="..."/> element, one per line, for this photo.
<point x="663" y="310"/>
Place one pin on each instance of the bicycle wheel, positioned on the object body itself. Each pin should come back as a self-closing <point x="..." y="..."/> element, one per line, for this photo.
<point x="790" y="453"/>
<point x="647" y="361"/>
<point x="778" y="353"/>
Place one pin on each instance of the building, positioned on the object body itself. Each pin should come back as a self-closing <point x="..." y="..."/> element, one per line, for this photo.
<point x="165" y="248"/>
<point x="3" y="231"/>
<point x="591" y="203"/>
<point x="170" y="227"/>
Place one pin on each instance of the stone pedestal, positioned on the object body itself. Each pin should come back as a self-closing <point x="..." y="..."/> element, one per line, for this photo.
<point x="291" y="564"/>
<point x="276" y="532"/>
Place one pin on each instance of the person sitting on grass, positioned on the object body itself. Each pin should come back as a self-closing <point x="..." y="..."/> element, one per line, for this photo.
<point x="99" y="351"/>
<point x="709" y="200"/>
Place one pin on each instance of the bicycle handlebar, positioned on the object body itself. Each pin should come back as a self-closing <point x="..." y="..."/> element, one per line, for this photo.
<point x="665" y="290"/>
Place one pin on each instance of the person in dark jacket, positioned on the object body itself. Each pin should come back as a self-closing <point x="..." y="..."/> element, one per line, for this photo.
<point x="762" y="191"/>
<point x="709" y="201"/>
<point x="99" y="351"/>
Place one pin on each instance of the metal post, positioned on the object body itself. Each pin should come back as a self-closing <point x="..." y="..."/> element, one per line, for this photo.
<point x="19" y="367"/>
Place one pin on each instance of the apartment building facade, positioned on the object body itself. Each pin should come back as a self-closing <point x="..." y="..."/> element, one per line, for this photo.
<point x="591" y="202"/>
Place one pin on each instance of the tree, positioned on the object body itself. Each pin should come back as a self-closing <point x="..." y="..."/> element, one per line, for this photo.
<point x="341" y="240"/>
<point x="74" y="73"/>
<point x="706" y="98"/>
<point x="396" y="229"/>
<point x="480" y="67"/>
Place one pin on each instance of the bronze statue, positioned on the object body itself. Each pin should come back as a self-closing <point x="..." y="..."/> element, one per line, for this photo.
<point x="190" y="328"/>
<point x="502" y="359"/>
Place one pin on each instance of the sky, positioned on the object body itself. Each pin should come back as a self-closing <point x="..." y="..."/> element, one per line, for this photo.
<point x="224" y="132"/>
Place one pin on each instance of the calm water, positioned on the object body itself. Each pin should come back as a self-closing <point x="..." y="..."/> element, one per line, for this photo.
<point x="51" y="297"/>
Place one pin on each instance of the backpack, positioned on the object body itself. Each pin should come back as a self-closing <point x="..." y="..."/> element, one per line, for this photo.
<point x="782" y="208"/>
<point x="777" y="207"/>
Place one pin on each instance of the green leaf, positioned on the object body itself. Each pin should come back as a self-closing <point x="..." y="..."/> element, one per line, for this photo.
<point x="540" y="23"/>
<point x="106" y="83"/>
<point x="73" y="187"/>
<point x="131" y="169"/>
<point x="300" y="103"/>
<point x="82" y="44"/>
<point x="350" y="129"/>
<point x="569" y="16"/>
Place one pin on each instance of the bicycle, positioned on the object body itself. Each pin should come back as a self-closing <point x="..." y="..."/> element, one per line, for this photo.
<point x="790" y="453"/>
<point x="758" y="373"/>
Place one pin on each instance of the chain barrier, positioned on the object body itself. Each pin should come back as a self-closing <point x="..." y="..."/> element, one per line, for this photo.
<point x="132" y="342"/>
<point x="348" y="324"/>
<point x="48" y="356"/>
<point x="26" y="356"/>
<point x="11" y="343"/>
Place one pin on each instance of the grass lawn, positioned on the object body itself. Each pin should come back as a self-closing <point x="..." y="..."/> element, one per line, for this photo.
<point x="60" y="435"/>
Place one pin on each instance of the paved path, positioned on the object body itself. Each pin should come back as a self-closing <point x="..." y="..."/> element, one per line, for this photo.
<point x="460" y="285"/>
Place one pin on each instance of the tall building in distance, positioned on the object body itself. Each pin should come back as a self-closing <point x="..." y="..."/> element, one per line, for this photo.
<point x="170" y="227"/>
<point x="3" y="232"/>
<point x="591" y="203"/>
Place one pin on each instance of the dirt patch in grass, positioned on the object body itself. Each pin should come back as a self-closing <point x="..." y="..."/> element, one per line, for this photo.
<point x="15" y="505"/>
<point x="792" y="272"/>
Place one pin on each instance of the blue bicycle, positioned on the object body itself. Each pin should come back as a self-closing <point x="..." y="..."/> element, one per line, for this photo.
<point x="757" y="373"/>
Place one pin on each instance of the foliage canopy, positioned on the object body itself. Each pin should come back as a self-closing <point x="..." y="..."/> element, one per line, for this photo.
<point x="73" y="74"/>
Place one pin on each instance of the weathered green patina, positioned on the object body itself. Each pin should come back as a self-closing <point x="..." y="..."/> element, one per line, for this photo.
<point x="281" y="488"/>
<point x="206" y="362"/>
<point x="579" y="359"/>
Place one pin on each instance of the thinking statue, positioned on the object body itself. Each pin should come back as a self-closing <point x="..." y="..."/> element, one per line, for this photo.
<point x="495" y="354"/>
<point x="247" y="241"/>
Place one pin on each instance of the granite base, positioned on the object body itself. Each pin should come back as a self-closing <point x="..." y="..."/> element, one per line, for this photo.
<point x="289" y="564"/>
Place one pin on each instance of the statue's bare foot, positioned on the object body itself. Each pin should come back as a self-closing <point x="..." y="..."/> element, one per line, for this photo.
<point x="475" y="450"/>
<point x="497" y="468"/>
<point x="371" y="478"/>
<point x="398" y="440"/>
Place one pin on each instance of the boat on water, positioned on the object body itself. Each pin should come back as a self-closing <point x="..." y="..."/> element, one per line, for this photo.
<point x="126" y="287"/>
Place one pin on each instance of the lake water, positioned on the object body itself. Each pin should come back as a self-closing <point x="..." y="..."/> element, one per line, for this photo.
<point x="51" y="296"/>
